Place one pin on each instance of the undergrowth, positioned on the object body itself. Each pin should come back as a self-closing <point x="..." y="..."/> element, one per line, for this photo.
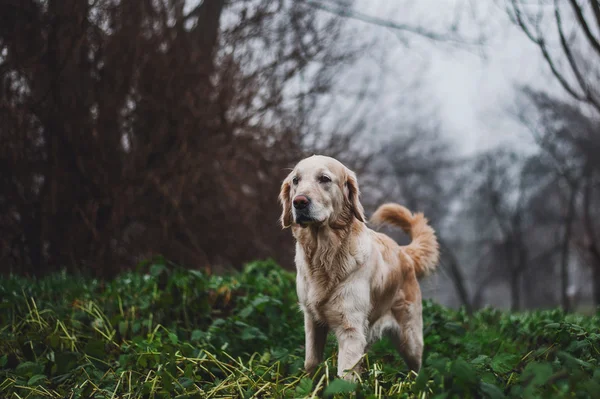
<point x="165" y="332"/>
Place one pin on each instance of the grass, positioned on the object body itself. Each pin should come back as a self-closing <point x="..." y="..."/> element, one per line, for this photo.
<point x="164" y="332"/>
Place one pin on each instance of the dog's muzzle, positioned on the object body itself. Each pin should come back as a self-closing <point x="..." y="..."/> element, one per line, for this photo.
<point x="302" y="210"/>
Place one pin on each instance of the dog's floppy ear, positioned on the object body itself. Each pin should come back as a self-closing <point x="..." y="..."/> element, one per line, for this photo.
<point x="353" y="194"/>
<point x="284" y="198"/>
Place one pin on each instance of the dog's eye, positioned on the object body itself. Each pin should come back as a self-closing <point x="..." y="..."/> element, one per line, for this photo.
<point x="295" y="180"/>
<point x="324" y="179"/>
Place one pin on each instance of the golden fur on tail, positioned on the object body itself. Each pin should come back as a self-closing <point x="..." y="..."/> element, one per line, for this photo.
<point x="424" y="248"/>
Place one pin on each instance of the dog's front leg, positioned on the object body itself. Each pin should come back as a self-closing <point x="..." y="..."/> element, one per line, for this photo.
<point x="352" y="343"/>
<point x="315" y="338"/>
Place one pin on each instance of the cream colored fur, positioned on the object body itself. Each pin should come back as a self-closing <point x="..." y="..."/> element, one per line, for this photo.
<point x="351" y="280"/>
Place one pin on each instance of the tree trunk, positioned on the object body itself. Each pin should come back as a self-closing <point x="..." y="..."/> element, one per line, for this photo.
<point x="564" y="263"/>
<point x="593" y="249"/>
<point x="515" y="292"/>
<point x="457" y="277"/>
<point x="459" y="284"/>
<point x="596" y="283"/>
<point x="516" y="263"/>
<point x="595" y="263"/>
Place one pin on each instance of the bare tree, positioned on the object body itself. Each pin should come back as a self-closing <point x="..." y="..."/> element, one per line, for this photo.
<point x="501" y="197"/>
<point x="568" y="140"/>
<point x="131" y="129"/>
<point x="566" y="32"/>
<point x="419" y="167"/>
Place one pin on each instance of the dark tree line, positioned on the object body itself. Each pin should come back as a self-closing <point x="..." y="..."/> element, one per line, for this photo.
<point x="129" y="129"/>
<point x="524" y="220"/>
<point x="568" y="132"/>
<point x="569" y="143"/>
<point x="509" y="219"/>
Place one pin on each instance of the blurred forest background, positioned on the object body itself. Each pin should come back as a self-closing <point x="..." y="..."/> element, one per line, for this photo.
<point x="135" y="128"/>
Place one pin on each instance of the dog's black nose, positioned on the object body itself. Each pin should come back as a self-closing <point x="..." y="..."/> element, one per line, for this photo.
<point x="301" y="202"/>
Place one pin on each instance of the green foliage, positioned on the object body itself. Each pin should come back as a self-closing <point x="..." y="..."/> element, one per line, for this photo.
<point x="164" y="332"/>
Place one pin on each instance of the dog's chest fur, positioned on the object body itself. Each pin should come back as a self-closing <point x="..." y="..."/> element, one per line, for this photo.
<point x="323" y="263"/>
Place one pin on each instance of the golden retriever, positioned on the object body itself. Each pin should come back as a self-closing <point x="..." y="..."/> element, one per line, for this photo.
<point x="351" y="280"/>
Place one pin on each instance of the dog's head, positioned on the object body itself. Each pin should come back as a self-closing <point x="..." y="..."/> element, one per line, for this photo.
<point x="320" y="190"/>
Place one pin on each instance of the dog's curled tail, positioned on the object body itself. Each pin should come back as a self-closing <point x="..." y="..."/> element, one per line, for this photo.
<point x="424" y="248"/>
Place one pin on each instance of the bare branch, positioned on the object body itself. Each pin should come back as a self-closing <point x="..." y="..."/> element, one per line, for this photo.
<point x="346" y="12"/>
<point x="583" y="22"/>
<point x="515" y="13"/>
<point x="567" y="50"/>
<point x="596" y="10"/>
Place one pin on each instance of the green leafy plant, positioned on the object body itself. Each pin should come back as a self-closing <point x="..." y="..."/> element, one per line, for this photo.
<point x="163" y="332"/>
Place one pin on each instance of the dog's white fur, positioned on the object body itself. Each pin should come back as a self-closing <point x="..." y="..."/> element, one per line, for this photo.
<point x="351" y="280"/>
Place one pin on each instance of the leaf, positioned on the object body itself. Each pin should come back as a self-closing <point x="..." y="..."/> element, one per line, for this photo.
<point x="463" y="372"/>
<point x="196" y="273"/>
<point x="492" y="391"/>
<point x="455" y="327"/>
<point x="260" y="302"/>
<point x="54" y="341"/>
<point x="304" y="387"/>
<point x="95" y="348"/>
<point x="29" y="369"/>
<point x="142" y="361"/>
<point x="197" y="335"/>
<point x="537" y="373"/>
<point x="166" y="379"/>
<point x="135" y="328"/>
<point x="572" y="361"/>
<point x="439" y="364"/>
<point x="481" y="360"/>
<point x="189" y="371"/>
<point x="173" y="338"/>
<point x="123" y="327"/>
<point x="504" y="363"/>
<point x="157" y="269"/>
<point x="246" y="312"/>
<point x="124" y="360"/>
<point x="339" y="386"/>
<point x="36" y="379"/>
<point x="249" y="332"/>
<point x="488" y="377"/>
<point x="186" y="382"/>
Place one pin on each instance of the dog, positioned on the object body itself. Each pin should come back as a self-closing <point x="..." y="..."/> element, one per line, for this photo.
<point x="351" y="280"/>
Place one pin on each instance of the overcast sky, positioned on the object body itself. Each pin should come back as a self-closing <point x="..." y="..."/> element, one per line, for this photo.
<point x="471" y="88"/>
<point x="468" y="90"/>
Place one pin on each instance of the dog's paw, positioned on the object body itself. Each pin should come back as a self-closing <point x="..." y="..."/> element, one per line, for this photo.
<point x="350" y="376"/>
<point x="310" y="367"/>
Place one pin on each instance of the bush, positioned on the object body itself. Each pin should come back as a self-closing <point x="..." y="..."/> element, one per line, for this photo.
<point x="166" y="332"/>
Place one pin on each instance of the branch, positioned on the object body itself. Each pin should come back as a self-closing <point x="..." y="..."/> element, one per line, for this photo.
<point x="517" y="18"/>
<point x="583" y="23"/>
<point x="596" y="9"/>
<point x="571" y="58"/>
<point x="346" y="12"/>
<point x="562" y="172"/>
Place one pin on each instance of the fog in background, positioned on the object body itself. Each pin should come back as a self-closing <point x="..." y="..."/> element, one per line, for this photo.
<point x="131" y="130"/>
